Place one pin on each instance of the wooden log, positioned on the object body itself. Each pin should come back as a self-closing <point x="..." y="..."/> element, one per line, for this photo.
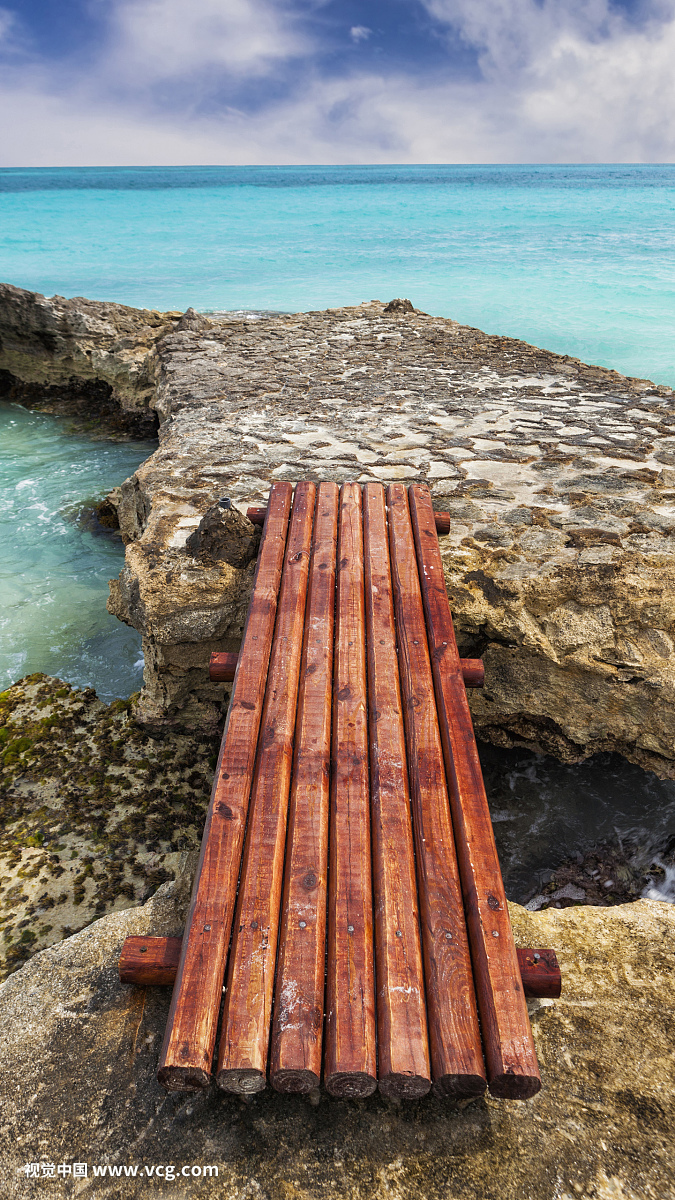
<point x="244" y="1042"/>
<point x="443" y="521"/>
<point x="402" y="1036"/>
<point x="150" y="961"/>
<point x="350" y="1063"/>
<point x="297" y="1027"/>
<point x="473" y="672"/>
<point x="540" y="972"/>
<point x="223" y="665"/>
<point x="153" y="961"/>
<point x="187" y="1052"/>
<point x="257" y="517"/>
<point x="456" y="1053"/>
<point x="513" y="1071"/>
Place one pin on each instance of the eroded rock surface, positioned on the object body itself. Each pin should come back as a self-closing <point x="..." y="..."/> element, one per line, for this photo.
<point x="81" y="357"/>
<point x="95" y="812"/>
<point x="560" y="478"/>
<point x="79" y="1052"/>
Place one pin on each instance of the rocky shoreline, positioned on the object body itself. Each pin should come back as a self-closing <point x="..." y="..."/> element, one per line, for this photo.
<point x="561" y="482"/>
<point x="78" y="1057"/>
<point x="95" y="812"/>
<point x="560" y="478"/>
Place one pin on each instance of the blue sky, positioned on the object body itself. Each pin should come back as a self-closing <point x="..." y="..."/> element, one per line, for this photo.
<point x="87" y="82"/>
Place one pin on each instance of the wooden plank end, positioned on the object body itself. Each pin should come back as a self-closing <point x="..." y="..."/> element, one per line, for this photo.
<point x="241" y="1081"/>
<point x="350" y="1085"/>
<point x="400" y="1086"/>
<point x="295" y="1081"/>
<point x="540" y="973"/>
<point x="508" y="1086"/>
<point x="460" y="1087"/>
<point x="183" y="1079"/>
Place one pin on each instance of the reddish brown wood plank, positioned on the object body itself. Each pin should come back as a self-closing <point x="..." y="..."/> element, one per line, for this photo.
<point x="350" y="1059"/>
<point x="402" y="1037"/>
<point x="473" y="672"/>
<point x="244" y="1042"/>
<point x="153" y="962"/>
<point x="257" y="517"/>
<point x="222" y="666"/>
<point x="540" y="972"/>
<point x="297" y="1028"/>
<point x="509" y="1050"/>
<point x="150" y="961"/>
<point x="187" y="1052"/>
<point x="456" y="1053"/>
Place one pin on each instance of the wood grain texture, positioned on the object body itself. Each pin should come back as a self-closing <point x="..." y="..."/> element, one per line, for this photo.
<point x="297" y="1027"/>
<point x="540" y="972"/>
<point x="244" y="1042"/>
<point x="456" y="1053"/>
<point x="187" y="1053"/>
<point x="150" y="961"/>
<point x="222" y="666"/>
<point x="153" y="962"/>
<point x="402" y="1037"/>
<point x="513" y="1071"/>
<point x="350" y="1059"/>
<point x="257" y="517"/>
<point x="473" y="672"/>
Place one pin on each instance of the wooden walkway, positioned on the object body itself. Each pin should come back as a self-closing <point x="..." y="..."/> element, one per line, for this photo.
<point x="348" y="893"/>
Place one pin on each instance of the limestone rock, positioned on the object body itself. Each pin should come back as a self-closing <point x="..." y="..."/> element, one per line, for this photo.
<point x="399" y="306"/>
<point x="81" y="356"/>
<point x="79" y="1052"/>
<point x="559" y="477"/>
<point x="224" y="534"/>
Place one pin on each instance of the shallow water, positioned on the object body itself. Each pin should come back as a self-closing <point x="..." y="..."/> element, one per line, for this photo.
<point x="53" y="573"/>
<point x="577" y="259"/>
<point x="545" y="813"/>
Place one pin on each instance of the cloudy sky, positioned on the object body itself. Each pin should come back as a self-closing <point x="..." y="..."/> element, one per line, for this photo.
<point x="87" y="82"/>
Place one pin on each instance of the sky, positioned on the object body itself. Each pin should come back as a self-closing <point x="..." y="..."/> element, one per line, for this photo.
<point x="153" y="82"/>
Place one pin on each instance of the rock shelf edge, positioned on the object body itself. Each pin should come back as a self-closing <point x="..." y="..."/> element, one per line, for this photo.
<point x="559" y="476"/>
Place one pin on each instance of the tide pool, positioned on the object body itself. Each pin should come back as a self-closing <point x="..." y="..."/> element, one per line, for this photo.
<point x="53" y="572"/>
<point x="577" y="259"/>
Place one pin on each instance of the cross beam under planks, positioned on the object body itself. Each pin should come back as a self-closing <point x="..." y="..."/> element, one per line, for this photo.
<point x="344" y="750"/>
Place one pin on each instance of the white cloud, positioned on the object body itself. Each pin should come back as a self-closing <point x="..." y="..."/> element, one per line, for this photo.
<point x="560" y="82"/>
<point x="360" y="33"/>
<point x="155" y="40"/>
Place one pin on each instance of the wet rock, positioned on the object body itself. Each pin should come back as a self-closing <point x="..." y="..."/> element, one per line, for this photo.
<point x="79" y="1052"/>
<point x="607" y="875"/>
<point x="224" y="535"/>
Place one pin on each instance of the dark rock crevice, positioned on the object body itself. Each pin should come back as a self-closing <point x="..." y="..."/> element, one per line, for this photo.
<point x="91" y="402"/>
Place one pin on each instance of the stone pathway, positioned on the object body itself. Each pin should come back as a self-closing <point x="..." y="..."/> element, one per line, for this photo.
<point x="560" y="479"/>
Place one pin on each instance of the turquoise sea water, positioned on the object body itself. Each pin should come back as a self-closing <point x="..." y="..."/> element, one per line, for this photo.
<point x="578" y="259"/>
<point x="54" y="573"/>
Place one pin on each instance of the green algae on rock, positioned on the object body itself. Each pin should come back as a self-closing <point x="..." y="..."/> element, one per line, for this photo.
<point x="96" y="812"/>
